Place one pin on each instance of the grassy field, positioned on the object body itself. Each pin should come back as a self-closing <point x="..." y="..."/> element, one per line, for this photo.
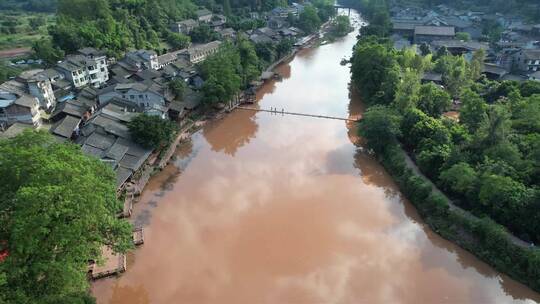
<point x="19" y="29"/>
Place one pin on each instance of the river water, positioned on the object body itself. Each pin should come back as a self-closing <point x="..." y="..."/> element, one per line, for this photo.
<point x="265" y="208"/>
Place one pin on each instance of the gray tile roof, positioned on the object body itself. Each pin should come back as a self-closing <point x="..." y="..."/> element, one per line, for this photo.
<point x="66" y="126"/>
<point x="435" y="30"/>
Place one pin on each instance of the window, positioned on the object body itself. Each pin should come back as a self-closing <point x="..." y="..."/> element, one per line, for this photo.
<point x="91" y="68"/>
<point x="103" y="69"/>
<point x="103" y="62"/>
<point x="140" y="96"/>
<point x="131" y="96"/>
<point x="74" y="73"/>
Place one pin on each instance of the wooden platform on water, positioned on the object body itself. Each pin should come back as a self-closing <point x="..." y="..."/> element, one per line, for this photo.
<point x="114" y="264"/>
<point x="138" y="237"/>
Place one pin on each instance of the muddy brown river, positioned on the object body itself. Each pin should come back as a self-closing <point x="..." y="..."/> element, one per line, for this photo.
<point x="263" y="208"/>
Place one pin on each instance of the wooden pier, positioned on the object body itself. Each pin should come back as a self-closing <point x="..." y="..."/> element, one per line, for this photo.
<point x="138" y="236"/>
<point x="283" y="112"/>
<point x="113" y="264"/>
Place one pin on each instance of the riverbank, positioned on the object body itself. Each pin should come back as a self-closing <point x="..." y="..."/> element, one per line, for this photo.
<point x="481" y="236"/>
<point x="266" y="208"/>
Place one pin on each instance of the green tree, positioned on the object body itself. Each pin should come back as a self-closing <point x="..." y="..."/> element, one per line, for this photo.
<point x="202" y="34"/>
<point x="380" y="127"/>
<point x="473" y="110"/>
<point x="178" y="41"/>
<point x="44" y="49"/>
<point x="463" y="36"/>
<point x="433" y="100"/>
<point x="152" y="131"/>
<point x="309" y="20"/>
<point x="375" y="71"/>
<point x="341" y="25"/>
<point x="284" y="47"/>
<point x="177" y="87"/>
<point x="58" y="207"/>
<point x="476" y="66"/>
<point x="37" y="22"/>
<point x="407" y="90"/>
<point x="456" y="74"/>
<point x="461" y="178"/>
<point x="222" y="74"/>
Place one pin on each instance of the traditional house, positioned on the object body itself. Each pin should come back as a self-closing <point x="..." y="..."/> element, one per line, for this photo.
<point x="66" y="128"/>
<point x="527" y="60"/>
<point x="149" y="97"/>
<point x="106" y="136"/>
<point x="21" y="108"/>
<point x="184" y="27"/>
<point x="458" y="47"/>
<point x="493" y="71"/>
<point x="198" y="53"/>
<point x="34" y="83"/>
<point x="204" y="15"/>
<point x="142" y="59"/>
<point x="39" y="85"/>
<point x="430" y="33"/>
<point x="227" y="33"/>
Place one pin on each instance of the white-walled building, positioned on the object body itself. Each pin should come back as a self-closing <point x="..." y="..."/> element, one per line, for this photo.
<point x="198" y="53"/>
<point x="143" y="59"/>
<point x="39" y="86"/>
<point x="88" y="67"/>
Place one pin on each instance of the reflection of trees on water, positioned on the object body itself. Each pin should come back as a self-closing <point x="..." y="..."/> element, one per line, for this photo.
<point x="284" y="70"/>
<point x="232" y="132"/>
<point x="374" y="174"/>
<point x="136" y="295"/>
<point x="238" y="128"/>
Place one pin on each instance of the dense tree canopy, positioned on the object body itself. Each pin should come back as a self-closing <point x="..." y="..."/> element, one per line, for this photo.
<point x="151" y="131"/>
<point x="117" y="25"/>
<point x="57" y="208"/>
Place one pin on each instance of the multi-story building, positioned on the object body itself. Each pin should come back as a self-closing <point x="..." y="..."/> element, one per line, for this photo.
<point x="34" y="83"/>
<point x="141" y="97"/>
<point x="527" y="60"/>
<point x="19" y="108"/>
<point x="88" y="67"/>
<point x="185" y="26"/>
<point x="143" y="59"/>
<point x="199" y="53"/>
<point x="39" y="86"/>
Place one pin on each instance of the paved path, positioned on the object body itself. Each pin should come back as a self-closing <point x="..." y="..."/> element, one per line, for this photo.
<point x="412" y="165"/>
<point x="15" y="52"/>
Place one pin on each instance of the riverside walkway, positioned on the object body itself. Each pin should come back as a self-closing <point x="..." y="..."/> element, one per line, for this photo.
<point x="283" y="112"/>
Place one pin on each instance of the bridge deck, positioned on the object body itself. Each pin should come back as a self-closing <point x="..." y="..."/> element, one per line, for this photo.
<point x="298" y="114"/>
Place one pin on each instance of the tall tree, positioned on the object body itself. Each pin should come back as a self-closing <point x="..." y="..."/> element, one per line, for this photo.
<point x="57" y="208"/>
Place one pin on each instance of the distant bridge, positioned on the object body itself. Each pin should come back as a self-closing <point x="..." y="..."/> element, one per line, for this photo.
<point x="275" y="111"/>
<point x="338" y="6"/>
